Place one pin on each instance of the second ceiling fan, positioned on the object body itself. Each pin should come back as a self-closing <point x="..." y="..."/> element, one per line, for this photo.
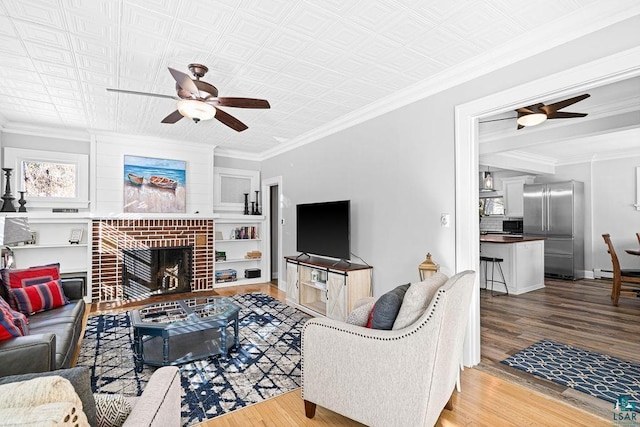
<point x="198" y="100"/>
<point x="538" y="113"/>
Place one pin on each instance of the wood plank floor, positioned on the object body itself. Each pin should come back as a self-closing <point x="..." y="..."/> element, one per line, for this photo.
<point x="577" y="313"/>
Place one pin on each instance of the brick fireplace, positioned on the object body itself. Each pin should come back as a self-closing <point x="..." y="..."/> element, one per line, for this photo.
<point x="112" y="236"/>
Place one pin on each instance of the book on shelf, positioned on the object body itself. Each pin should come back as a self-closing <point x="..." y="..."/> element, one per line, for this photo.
<point x="246" y="232"/>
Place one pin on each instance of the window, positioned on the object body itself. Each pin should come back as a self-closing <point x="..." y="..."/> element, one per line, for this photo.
<point x="50" y="179"/>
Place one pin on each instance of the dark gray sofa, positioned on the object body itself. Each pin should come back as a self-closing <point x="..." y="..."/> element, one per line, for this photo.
<point x="53" y="336"/>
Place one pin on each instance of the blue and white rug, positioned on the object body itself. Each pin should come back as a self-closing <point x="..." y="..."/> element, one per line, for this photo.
<point x="266" y="365"/>
<point x="599" y="375"/>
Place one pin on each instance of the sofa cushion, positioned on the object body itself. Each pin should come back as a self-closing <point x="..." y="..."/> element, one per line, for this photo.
<point x="8" y="327"/>
<point x="80" y="379"/>
<point x="417" y="298"/>
<point x="112" y="410"/>
<point x="19" y="278"/>
<point x="387" y="306"/>
<point x="41" y="297"/>
<point x="360" y="315"/>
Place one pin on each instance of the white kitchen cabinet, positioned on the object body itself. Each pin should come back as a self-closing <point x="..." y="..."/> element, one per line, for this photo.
<point x="523" y="265"/>
<point x="513" y="190"/>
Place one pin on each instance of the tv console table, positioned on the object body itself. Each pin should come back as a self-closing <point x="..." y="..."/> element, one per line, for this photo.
<point x="326" y="287"/>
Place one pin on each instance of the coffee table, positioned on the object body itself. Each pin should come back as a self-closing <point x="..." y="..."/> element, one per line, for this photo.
<point x="174" y="332"/>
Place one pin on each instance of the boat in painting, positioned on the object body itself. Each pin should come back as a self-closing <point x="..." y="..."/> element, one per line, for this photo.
<point x="135" y="179"/>
<point x="163" y="182"/>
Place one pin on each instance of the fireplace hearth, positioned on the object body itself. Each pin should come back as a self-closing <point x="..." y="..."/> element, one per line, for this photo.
<point x="155" y="271"/>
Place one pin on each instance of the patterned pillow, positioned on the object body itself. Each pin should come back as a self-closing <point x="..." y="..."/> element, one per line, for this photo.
<point x="8" y="327"/>
<point x="360" y="315"/>
<point x="112" y="410"/>
<point x="20" y="278"/>
<point x="36" y="298"/>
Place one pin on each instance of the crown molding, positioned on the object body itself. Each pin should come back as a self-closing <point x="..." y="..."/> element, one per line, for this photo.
<point x="46" y="131"/>
<point x="590" y="19"/>
<point x="237" y="154"/>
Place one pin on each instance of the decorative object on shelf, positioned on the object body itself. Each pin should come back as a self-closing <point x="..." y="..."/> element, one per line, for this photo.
<point x="22" y="202"/>
<point x="428" y="268"/>
<point x="256" y="211"/>
<point x="219" y="235"/>
<point x="221" y="256"/>
<point x="154" y="185"/>
<point x="12" y="231"/>
<point x="33" y="240"/>
<point x="7" y="205"/>
<point x="253" y="255"/>
<point x="246" y="203"/>
<point x="253" y="208"/>
<point x="76" y="236"/>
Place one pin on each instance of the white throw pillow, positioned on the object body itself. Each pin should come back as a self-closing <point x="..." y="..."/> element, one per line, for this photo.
<point x="417" y="298"/>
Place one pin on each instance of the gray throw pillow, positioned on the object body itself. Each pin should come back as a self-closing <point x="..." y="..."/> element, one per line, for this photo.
<point x="80" y="379"/>
<point x="387" y="306"/>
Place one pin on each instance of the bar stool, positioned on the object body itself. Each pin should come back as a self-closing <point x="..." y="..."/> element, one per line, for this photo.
<point x="493" y="262"/>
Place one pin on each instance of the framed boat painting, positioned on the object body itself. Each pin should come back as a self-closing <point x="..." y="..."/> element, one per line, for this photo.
<point x="154" y="185"/>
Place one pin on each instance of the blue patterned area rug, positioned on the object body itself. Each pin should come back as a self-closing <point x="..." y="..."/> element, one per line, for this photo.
<point x="599" y="375"/>
<point x="266" y="364"/>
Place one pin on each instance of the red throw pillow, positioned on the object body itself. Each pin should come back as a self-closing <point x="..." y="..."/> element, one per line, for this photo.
<point x="370" y="321"/>
<point x="8" y="327"/>
<point x="19" y="278"/>
<point x="36" y="298"/>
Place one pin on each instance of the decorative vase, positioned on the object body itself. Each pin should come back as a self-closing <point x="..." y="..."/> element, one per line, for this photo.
<point x="22" y="202"/>
<point x="246" y="203"/>
<point x="7" y="205"/>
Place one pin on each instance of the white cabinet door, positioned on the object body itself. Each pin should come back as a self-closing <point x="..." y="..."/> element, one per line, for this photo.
<point x="337" y="296"/>
<point x="292" y="282"/>
<point x="513" y="199"/>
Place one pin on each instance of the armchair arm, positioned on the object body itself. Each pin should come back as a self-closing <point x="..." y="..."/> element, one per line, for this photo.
<point x="160" y="403"/>
<point x="73" y="288"/>
<point x="31" y="353"/>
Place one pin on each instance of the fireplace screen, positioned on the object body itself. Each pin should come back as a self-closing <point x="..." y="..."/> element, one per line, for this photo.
<point x="156" y="271"/>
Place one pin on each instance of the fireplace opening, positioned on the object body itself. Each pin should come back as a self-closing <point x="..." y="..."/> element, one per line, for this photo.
<point x="154" y="271"/>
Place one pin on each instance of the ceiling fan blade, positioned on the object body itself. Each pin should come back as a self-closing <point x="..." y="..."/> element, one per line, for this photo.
<point x="133" y="92"/>
<point x="565" y="115"/>
<point x="185" y="82"/>
<point x="561" y="104"/>
<point x="243" y="102"/>
<point x="230" y="121"/>
<point x="172" y="118"/>
<point x="525" y="111"/>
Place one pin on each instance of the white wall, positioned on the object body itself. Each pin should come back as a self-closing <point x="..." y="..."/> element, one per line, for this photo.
<point x="109" y="170"/>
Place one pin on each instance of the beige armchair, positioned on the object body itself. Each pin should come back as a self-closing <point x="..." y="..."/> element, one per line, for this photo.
<point x="401" y="377"/>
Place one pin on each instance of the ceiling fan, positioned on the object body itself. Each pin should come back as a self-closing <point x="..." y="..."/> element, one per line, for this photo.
<point x="538" y="113"/>
<point x="199" y="100"/>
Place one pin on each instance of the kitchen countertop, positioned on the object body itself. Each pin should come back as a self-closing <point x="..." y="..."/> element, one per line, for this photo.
<point x="506" y="238"/>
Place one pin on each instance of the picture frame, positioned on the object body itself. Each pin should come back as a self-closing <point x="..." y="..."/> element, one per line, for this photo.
<point x="76" y="236"/>
<point x="153" y="185"/>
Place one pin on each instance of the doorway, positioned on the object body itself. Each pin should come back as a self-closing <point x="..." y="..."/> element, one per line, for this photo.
<point x="272" y="191"/>
<point x="606" y="70"/>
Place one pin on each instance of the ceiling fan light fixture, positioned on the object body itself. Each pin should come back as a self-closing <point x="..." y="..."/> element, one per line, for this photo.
<point x="196" y="110"/>
<point x="532" y="119"/>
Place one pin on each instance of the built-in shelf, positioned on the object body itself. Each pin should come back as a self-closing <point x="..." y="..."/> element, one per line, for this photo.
<point x="318" y="285"/>
<point x="21" y="247"/>
<point x="239" y="240"/>
<point x="228" y="261"/>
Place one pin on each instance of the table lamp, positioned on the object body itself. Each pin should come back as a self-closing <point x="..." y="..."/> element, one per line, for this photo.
<point x="428" y="268"/>
<point x="12" y="230"/>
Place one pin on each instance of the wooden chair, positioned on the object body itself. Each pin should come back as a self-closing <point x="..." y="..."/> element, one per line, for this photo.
<point x="638" y="236"/>
<point x="622" y="276"/>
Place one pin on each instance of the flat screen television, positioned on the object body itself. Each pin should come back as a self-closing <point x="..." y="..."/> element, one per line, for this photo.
<point x="324" y="229"/>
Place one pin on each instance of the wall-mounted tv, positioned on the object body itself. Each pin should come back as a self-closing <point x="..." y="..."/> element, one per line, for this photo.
<point x="324" y="229"/>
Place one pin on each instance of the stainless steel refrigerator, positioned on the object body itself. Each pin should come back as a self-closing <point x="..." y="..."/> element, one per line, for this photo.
<point x="555" y="211"/>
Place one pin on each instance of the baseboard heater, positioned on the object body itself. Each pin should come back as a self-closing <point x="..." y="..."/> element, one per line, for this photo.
<point x="599" y="273"/>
